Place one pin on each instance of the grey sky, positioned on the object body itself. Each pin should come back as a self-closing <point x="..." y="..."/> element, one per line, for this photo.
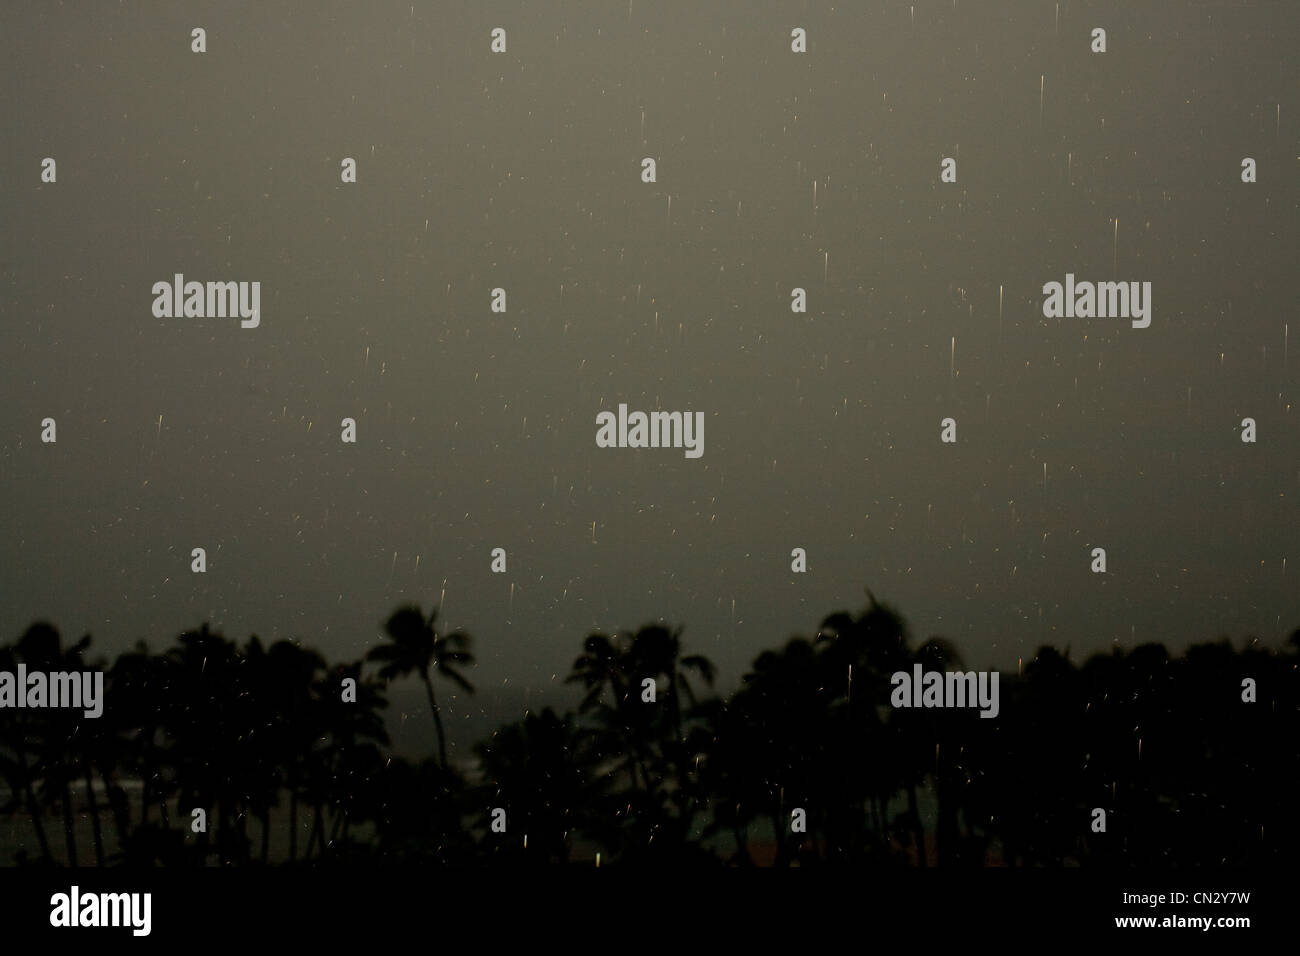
<point x="476" y="430"/>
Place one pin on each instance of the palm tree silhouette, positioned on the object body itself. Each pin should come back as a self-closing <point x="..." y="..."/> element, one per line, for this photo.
<point x="531" y="770"/>
<point x="351" y="757"/>
<point x="23" y="765"/>
<point x="418" y="648"/>
<point x="213" y="726"/>
<point x="616" y="733"/>
<point x="649" y="743"/>
<point x="41" y="649"/>
<point x="1191" y="770"/>
<point x="288" y="724"/>
<point x="656" y="651"/>
<point x="935" y="746"/>
<point x="139" y="686"/>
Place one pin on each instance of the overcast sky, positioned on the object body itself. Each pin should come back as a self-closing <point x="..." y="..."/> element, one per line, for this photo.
<point x="522" y="170"/>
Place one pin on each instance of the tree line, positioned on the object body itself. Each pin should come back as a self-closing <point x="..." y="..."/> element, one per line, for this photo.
<point x="1187" y="769"/>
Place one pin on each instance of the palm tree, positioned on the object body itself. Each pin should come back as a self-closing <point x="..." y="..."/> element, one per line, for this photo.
<point x="142" y="693"/>
<point x="779" y="725"/>
<point x="22" y="766"/>
<point x="299" y="668"/>
<point x="86" y="741"/>
<point x="606" y="663"/>
<point x="351" y="757"/>
<point x="933" y="742"/>
<point x="657" y="651"/>
<point x="417" y="648"/>
<point x="213" y="753"/>
<point x="598" y="667"/>
<point x="41" y="648"/>
<point x="531" y="767"/>
<point x="868" y="648"/>
<point x="650" y="745"/>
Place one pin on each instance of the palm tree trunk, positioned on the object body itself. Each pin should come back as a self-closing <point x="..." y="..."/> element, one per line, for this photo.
<point x="69" y="828"/>
<point x="242" y="852"/>
<point x="675" y="704"/>
<point x="316" y="830"/>
<point x="118" y="804"/>
<point x="94" y="812"/>
<point x="293" y="824"/>
<point x="41" y="840"/>
<point x="948" y="833"/>
<point x="742" y="856"/>
<point x="437" y="722"/>
<point x="639" y="764"/>
<point x="636" y="752"/>
<point x="918" y="832"/>
<point x="223" y="836"/>
<point x="631" y="769"/>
